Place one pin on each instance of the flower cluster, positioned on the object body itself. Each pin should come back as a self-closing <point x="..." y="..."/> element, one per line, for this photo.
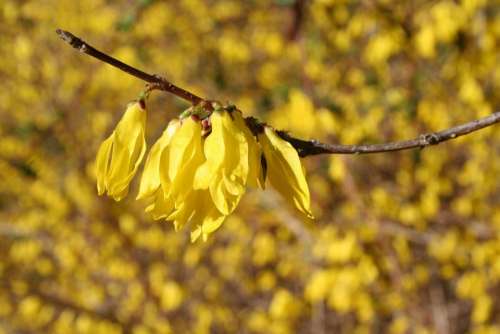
<point x="200" y="167"/>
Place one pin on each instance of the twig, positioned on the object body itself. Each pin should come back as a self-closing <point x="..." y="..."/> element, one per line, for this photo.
<point x="304" y="147"/>
<point x="313" y="147"/>
<point x="297" y="20"/>
<point x="439" y="308"/>
<point x="157" y="81"/>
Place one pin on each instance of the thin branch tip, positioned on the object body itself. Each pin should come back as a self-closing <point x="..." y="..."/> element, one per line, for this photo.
<point x="60" y="32"/>
<point x="162" y="83"/>
<point x="65" y="36"/>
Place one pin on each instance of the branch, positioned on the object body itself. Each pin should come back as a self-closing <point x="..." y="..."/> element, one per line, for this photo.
<point x="157" y="82"/>
<point x="297" y="20"/>
<point x="313" y="147"/>
<point x="304" y="147"/>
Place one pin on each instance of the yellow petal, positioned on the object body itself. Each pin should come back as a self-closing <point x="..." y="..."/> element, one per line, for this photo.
<point x="150" y="180"/>
<point x="132" y="122"/>
<point x="214" y="151"/>
<point x="285" y="171"/>
<point x="207" y="218"/>
<point x="199" y="211"/>
<point x="102" y="164"/>
<point x="203" y="177"/>
<point x="162" y="205"/>
<point x="120" y="174"/>
<point x="225" y="169"/>
<point x="119" y="160"/>
<point x="180" y="163"/>
<point x="196" y="233"/>
<point x="185" y="210"/>
<point x="236" y="163"/>
<point x="223" y="199"/>
<point x="182" y="185"/>
<point x="256" y="177"/>
<point x="184" y="146"/>
<point x="181" y="214"/>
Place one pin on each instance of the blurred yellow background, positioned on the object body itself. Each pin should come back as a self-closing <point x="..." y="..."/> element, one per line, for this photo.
<point x="404" y="242"/>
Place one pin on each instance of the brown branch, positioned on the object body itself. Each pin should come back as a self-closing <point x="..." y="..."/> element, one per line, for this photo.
<point x="297" y="19"/>
<point x="304" y="147"/>
<point x="313" y="147"/>
<point x="68" y="304"/>
<point x="157" y="81"/>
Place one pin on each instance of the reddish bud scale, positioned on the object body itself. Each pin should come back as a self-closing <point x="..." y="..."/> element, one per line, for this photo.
<point x="206" y="127"/>
<point x="142" y="103"/>
<point x="205" y="124"/>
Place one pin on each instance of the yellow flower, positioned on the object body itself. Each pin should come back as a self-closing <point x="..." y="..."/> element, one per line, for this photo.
<point x="197" y="171"/>
<point x="150" y="186"/>
<point x="285" y="171"/>
<point x="178" y="166"/>
<point x="203" y="215"/>
<point x="256" y="177"/>
<point x="225" y="171"/>
<point x="121" y="153"/>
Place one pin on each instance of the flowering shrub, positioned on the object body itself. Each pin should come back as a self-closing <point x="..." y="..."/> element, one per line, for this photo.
<point x="404" y="242"/>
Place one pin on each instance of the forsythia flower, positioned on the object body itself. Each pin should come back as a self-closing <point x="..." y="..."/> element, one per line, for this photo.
<point x="121" y="153"/>
<point x="256" y="173"/>
<point x="198" y="170"/>
<point x="177" y="172"/>
<point x="285" y="171"/>
<point x="150" y="186"/>
<point x="225" y="170"/>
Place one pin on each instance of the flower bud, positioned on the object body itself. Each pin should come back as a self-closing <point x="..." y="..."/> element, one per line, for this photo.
<point x="285" y="171"/>
<point x="120" y="155"/>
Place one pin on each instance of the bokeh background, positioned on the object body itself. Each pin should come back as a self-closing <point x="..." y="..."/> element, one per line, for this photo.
<point x="404" y="242"/>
